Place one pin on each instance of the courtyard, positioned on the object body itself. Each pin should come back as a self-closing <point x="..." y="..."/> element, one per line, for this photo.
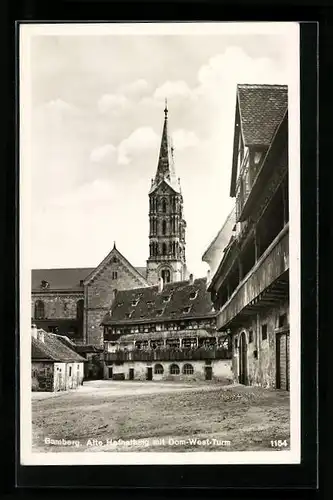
<point x="122" y="416"/>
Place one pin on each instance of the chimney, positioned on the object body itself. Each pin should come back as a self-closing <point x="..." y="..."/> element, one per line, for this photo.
<point x="40" y="335"/>
<point x="34" y="331"/>
<point x="191" y="279"/>
<point x="160" y="285"/>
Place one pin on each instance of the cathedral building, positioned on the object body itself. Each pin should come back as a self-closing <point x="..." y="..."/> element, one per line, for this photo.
<point x="167" y="227"/>
<point x="74" y="301"/>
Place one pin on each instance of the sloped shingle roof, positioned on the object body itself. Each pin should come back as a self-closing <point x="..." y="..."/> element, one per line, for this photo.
<point x="64" y="279"/>
<point x="262" y="108"/>
<point x="146" y="304"/>
<point x="53" y="349"/>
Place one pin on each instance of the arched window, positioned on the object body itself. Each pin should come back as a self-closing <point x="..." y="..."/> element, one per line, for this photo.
<point x="164" y="249"/>
<point x="165" y="275"/>
<point x="174" y="369"/>
<point x="164" y="227"/>
<point x="79" y="309"/>
<point x="39" y="309"/>
<point x="158" y="370"/>
<point x="188" y="369"/>
<point x="164" y="205"/>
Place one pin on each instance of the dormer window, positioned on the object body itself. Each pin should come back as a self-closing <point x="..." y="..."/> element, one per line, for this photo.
<point x="159" y="312"/>
<point x="193" y="294"/>
<point x="257" y="157"/>
<point x="187" y="309"/>
<point x="81" y="282"/>
<point x="166" y="298"/>
<point x="129" y="315"/>
<point x="135" y="302"/>
<point x="45" y="284"/>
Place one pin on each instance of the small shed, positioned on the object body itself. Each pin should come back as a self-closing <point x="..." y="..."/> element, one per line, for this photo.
<point x="54" y="365"/>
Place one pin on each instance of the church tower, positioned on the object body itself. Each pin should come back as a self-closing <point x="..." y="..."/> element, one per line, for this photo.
<point x="166" y="224"/>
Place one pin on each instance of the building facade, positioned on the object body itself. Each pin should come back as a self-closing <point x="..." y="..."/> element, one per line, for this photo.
<point x="165" y="332"/>
<point x="250" y="288"/>
<point x="54" y="365"/>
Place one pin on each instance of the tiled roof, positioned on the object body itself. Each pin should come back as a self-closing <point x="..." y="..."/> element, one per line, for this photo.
<point x="59" y="279"/>
<point x="178" y="300"/>
<point x="64" y="279"/>
<point x="53" y="349"/>
<point x="262" y="108"/>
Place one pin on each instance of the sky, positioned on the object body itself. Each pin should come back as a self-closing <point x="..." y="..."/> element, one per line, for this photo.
<point x="96" y="115"/>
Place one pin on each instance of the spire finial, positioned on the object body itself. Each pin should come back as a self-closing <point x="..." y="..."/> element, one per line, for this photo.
<point x="114" y="244"/>
<point x="166" y="108"/>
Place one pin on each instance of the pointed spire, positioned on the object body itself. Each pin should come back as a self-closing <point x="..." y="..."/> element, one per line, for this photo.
<point x="165" y="167"/>
<point x="114" y="244"/>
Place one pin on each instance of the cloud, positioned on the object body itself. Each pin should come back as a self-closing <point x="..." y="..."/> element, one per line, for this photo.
<point x="172" y="89"/>
<point x="103" y="153"/>
<point x="235" y="66"/>
<point x="183" y="139"/>
<point x="58" y="105"/>
<point x="136" y="89"/>
<point x="112" y="102"/>
<point x="143" y="138"/>
<point x="98" y="191"/>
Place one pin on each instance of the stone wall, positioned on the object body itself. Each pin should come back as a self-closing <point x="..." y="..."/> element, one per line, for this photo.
<point x="221" y="370"/>
<point x="42" y="378"/>
<point x="99" y="296"/>
<point x="57" y="305"/>
<point x="261" y="370"/>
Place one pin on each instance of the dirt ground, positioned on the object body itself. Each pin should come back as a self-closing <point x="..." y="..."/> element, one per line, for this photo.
<point x="159" y="416"/>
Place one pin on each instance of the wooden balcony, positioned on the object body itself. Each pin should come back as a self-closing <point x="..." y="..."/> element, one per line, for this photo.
<point x="167" y="355"/>
<point x="266" y="282"/>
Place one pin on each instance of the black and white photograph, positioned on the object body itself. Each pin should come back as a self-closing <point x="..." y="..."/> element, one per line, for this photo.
<point x="159" y="243"/>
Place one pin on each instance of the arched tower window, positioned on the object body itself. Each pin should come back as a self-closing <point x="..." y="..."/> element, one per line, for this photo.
<point x="39" y="309"/>
<point x="79" y="309"/>
<point x="164" y="249"/>
<point x="164" y="205"/>
<point x="164" y="227"/>
<point x="165" y="275"/>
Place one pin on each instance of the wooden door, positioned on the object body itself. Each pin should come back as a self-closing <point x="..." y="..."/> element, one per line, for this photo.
<point x="149" y="373"/>
<point x="243" y="359"/>
<point x="131" y="374"/>
<point x="282" y="361"/>
<point x="208" y="373"/>
<point x="110" y="372"/>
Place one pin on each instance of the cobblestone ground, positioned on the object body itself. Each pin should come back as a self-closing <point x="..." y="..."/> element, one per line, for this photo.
<point x="159" y="416"/>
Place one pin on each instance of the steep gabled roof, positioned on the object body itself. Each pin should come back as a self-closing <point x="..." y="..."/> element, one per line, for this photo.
<point x="178" y="300"/>
<point x="259" y="112"/>
<point x="115" y="253"/>
<point x="165" y="167"/>
<point x="53" y="349"/>
<point x="261" y="109"/>
<point x="222" y="238"/>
